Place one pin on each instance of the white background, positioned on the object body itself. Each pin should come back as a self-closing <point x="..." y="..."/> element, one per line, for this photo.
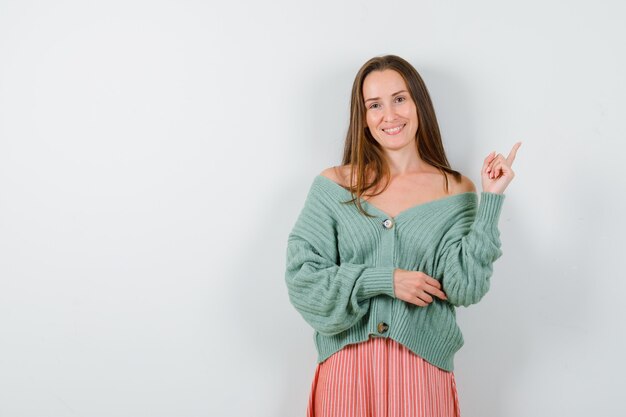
<point x="154" y="156"/>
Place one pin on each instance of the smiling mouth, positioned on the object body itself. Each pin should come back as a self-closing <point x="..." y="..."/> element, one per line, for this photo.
<point x="394" y="130"/>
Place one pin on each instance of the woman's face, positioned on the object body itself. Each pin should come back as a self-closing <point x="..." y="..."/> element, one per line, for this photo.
<point x="391" y="114"/>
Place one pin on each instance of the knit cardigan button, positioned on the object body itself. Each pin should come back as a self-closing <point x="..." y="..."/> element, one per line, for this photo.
<point x="388" y="223"/>
<point x="382" y="327"/>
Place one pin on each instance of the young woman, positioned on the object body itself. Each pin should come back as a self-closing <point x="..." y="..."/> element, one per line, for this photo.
<point x="386" y="247"/>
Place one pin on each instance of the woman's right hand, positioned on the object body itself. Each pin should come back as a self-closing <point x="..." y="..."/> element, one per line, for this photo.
<point x="415" y="286"/>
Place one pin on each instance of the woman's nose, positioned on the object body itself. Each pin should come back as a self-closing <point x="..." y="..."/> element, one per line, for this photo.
<point x="389" y="113"/>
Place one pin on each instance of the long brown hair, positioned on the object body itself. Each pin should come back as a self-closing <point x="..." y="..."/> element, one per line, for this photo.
<point x="365" y="155"/>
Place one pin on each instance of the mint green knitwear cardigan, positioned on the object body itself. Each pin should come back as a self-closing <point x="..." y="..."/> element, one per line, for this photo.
<point x="340" y="265"/>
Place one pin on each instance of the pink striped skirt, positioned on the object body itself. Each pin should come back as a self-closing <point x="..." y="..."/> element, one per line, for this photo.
<point x="381" y="378"/>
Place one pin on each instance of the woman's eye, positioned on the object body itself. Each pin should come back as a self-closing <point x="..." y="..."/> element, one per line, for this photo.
<point x="400" y="99"/>
<point x="374" y="106"/>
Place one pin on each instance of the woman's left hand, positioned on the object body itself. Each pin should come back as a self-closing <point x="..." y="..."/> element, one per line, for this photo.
<point x="497" y="173"/>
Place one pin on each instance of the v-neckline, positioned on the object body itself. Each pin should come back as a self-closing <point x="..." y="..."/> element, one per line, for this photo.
<point x="427" y="204"/>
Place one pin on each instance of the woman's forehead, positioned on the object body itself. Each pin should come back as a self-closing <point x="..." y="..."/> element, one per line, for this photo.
<point x="379" y="83"/>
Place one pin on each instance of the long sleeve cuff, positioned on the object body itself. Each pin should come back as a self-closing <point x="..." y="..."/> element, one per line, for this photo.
<point x="378" y="280"/>
<point x="489" y="208"/>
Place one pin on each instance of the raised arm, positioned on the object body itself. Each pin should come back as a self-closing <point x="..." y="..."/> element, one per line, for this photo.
<point x="469" y="249"/>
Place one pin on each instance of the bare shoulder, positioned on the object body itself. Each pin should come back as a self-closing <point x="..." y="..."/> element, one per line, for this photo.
<point x="466" y="185"/>
<point x="338" y="174"/>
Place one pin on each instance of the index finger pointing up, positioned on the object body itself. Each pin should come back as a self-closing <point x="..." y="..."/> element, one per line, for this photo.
<point x="512" y="154"/>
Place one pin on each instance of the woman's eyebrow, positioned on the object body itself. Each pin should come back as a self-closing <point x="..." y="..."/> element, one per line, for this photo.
<point x="378" y="98"/>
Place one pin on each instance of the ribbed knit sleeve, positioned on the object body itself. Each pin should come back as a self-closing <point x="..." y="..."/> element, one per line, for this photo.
<point x="472" y="244"/>
<point x="330" y="296"/>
